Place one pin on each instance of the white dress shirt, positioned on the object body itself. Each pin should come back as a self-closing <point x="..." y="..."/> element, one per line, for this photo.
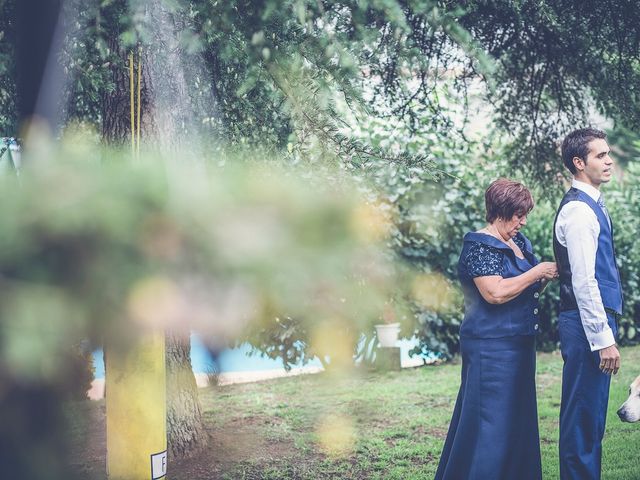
<point x="578" y="229"/>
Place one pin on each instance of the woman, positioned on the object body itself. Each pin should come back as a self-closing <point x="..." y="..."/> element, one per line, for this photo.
<point x="494" y="429"/>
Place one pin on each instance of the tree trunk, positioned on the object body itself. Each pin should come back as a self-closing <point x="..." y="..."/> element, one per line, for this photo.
<point x="185" y="432"/>
<point x="116" y="105"/>
<point x="173" y="116"/>
<point x="164" y="103"/>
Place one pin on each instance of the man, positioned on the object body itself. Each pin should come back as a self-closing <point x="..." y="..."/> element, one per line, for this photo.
<point x="590" y="302"/>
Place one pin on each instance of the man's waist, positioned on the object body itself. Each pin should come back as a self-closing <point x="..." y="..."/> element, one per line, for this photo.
<point x="612" y="312"/>
<point x="609" y="310"/>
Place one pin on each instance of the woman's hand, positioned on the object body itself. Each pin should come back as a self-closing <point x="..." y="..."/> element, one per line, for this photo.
<point x="497" y="290"/>
<point x="547" y="270"/>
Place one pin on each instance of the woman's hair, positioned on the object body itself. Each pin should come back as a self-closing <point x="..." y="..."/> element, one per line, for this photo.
<point x="505" y="198"/>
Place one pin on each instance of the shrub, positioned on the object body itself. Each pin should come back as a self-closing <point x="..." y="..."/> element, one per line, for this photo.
<point x="430" y="239"/>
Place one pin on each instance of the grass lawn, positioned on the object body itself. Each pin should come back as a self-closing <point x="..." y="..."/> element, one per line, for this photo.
<point x="373" y="425"/>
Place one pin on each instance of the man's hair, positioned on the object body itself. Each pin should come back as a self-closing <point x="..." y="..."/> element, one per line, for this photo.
<point x="505" y="198"/>
<point x="576" y="144"/>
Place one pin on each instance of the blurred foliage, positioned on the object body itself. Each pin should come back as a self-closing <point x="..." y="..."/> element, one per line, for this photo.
<point x="106" y="250"/>
<point x="430" y="240"/>
<point x="253" y="242"/>
<point x="82" y="371"/>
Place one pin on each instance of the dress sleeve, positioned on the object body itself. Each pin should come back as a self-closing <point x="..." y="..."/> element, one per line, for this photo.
<point x="482" y="260"/>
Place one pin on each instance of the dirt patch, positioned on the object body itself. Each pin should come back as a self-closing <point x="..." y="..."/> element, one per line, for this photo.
<point x="422" y="431"/>
<point x="239" y="441"/>
<point x="88" y="439"/>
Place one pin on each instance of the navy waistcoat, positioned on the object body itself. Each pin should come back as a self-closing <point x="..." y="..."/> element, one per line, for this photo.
<point x="607" y="274"/>
<point x="518" y="316"/>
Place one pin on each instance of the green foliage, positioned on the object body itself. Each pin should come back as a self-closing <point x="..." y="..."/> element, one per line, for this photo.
<point x="532" y="55"/>
<point x="557" y="61"/>
<point x="268" y="72"/>
<point x="431" y="239"/>
<point x="8" y="113"/>
<point x="625" y="145"/>
<point x="418" y="199"/>
<point x="623" y="201"/>
<point x="455" y="206"/>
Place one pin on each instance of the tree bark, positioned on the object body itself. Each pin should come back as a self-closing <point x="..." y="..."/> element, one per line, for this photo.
<point x="116" y="104"/>
<point x="185" y="431"/>
<point x="164" y="103"/>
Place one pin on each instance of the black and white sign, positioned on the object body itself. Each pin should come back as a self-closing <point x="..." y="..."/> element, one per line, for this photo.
<point x="158" y="465"/>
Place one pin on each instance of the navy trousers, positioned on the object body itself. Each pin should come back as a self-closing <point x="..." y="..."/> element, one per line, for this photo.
<point x="585" y="395"/>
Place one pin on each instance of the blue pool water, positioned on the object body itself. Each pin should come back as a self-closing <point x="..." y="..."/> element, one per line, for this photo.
<point x="230" y="360"/>
<point x="235" y="359"/>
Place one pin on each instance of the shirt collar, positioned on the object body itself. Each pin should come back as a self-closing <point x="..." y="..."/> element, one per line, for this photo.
<point x="593" y="192"/>
<point x="492" y="241"/>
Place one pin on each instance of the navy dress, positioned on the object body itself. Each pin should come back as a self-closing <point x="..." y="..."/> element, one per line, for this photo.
<point x="493" y="433"/>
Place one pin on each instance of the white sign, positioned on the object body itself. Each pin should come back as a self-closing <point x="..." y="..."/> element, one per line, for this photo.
<point x="158" y="465"/>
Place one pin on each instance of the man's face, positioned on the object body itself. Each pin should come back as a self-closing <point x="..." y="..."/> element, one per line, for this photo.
<point x="598" y="167"/>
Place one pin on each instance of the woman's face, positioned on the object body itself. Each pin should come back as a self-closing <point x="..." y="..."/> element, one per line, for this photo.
<point x="514" y="225"/>
<point x="511" y="227"/>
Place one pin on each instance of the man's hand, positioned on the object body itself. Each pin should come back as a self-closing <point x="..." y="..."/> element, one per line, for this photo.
<point x="610" y="360"/>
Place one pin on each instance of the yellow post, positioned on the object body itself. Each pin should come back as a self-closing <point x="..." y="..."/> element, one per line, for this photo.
<point x="136" y="381"/>
<point x="136" y="410"/>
